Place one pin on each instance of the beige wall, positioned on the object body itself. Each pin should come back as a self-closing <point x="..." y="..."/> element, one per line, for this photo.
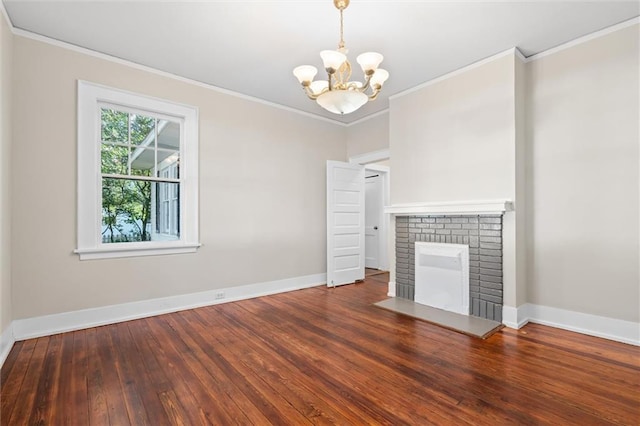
<point x="583" y="177"/>
<point x="6" y="59"/>
<point x="262" y="180"/>
<point x="560" y="137"/>
<point x="462" y="139"/>
<point x="368" y="136"/>
<point x="520" y="206"/>
<point x="262" y="190"/>
<point x="454" y="140"/>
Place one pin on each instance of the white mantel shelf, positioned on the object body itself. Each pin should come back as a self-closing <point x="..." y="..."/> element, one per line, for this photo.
<point x="451" y="208"/>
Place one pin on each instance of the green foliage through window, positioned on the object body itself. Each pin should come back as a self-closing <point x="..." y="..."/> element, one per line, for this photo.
<point x="129" y="149"/>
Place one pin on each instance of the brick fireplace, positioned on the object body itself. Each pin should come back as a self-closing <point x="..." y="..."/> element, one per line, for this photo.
<point x="482" y="233"/>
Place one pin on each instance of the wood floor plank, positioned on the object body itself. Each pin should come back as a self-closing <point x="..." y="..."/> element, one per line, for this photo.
<point x="79" y="378"/>
<point x="349" y="372"/>
<point x="317" y="356"/>
<point x="584" y="346"/>
<point x="45" y="405"/>
<point x="60" y="410"/>
<point x="219" y="377"/>
<point x="159" y="385"/>
<point x="27" y="396"/>
<point x="124" y="353"/>
<point x="187" y="370"/>
<point x="359" y="364"/>
<point x="388" y="377"/>
<point x="12" y="357"/>
<point x="563" y="412"/>
<point x="275" y="408"/>
<point x="257" y="352"/>
<point x="177" y="391"/>
<point x="96" y="392"/>
<point x="143" y="396"/>
<point x="12" y="383"/>
<point x="113" y="388"/>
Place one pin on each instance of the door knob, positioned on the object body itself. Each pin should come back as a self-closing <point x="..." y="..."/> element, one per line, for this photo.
<point x="375" y="228"/>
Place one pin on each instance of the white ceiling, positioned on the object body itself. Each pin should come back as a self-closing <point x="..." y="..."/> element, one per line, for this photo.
<point x="251" y="47"/>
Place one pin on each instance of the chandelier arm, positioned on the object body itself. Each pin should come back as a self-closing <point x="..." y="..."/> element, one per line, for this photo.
<point x="376" y="91"/>
<point x="366" y="84"/>
<point x="310" y="93"/>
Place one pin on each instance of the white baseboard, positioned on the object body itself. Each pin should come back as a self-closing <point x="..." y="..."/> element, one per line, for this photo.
<point x="392" y="289"/>
<point x="592" y="325"/>
<point x="513" y="317"/>
<point x="6" y="343"/>
<point x="86" y="318"/>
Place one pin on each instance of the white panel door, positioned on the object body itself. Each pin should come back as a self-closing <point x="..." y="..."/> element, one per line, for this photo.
<point x="345" y="223"/>
<point x="373" y="219"/>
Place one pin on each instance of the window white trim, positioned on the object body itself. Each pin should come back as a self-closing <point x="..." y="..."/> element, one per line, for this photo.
<point x="89" y="218"/>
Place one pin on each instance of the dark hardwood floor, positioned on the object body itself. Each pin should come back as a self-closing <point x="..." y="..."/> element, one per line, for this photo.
<point x="319" y="355"/>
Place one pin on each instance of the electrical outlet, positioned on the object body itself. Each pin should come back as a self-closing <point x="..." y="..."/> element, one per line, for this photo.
<point x="219" y="295"/>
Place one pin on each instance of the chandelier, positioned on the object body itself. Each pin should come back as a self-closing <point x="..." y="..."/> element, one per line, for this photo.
<point x="337" y="93"/>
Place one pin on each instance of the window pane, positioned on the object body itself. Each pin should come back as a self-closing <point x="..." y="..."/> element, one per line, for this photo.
<point x="115" y="126"/>
<point x="126" y="210"/>
<point x="168" y="164"/>
<point x="114" y="159"/>
<point x="168" y="135"/>
<point x="134" y="210"/>
<point x="142" y="161"/>
<point x="142" y="130"/>
<point x="167" y="211"/>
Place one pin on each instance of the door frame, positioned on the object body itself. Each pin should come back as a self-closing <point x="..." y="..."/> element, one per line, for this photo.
<point x="385" y="175"/>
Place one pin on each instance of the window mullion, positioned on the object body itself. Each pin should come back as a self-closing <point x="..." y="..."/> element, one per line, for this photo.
<point x="129" y="144"/>
<point x="142" y="178"/>
<point x="155" y="149"/>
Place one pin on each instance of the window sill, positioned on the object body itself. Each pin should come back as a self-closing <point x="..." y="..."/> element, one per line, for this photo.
<point x="137" y="251"/>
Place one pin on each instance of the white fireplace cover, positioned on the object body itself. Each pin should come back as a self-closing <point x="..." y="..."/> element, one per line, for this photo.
<point x="442" y="276"/>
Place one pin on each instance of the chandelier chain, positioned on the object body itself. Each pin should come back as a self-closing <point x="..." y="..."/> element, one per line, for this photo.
<point x="341" y="45"/>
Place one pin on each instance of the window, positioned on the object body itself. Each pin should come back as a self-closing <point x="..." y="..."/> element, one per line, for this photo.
<point x="137" y="174"/>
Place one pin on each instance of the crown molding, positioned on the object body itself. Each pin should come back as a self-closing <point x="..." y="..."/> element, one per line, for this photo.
<point x="368" y="117"/>
<point x="518" y="54"/>
<point x="511" y="51"/>
<point x="580" y="40"/>
<point x="514" y="50"/>
<point x="6" y="16"/>
<point x="134" y="65"/>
